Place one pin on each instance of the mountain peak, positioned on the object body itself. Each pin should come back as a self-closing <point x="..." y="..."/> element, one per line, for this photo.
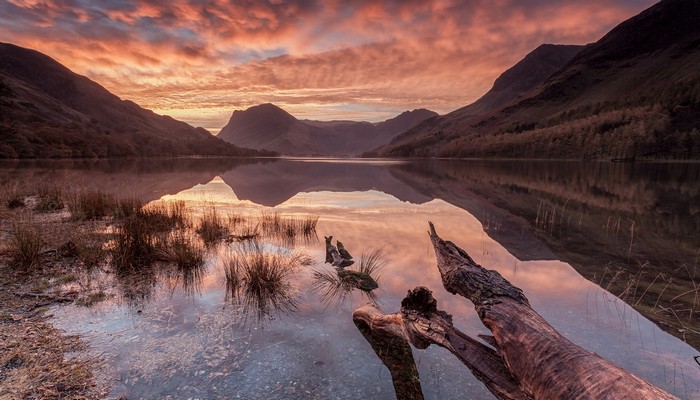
<point x="267" y="126"/>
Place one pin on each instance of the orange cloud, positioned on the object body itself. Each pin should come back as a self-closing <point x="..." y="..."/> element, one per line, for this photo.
<point x="199" y="60"/>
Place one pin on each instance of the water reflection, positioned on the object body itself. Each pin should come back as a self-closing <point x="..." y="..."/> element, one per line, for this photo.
<point x="259" y="278"/>
<point x="319" y="349"/>
<point x="334" y="285"/>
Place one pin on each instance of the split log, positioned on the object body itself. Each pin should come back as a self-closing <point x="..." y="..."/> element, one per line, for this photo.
<point x="546" y="364"/>
<point x="421" y="324"/>
<point x="531" y="359"/>
<point x="395" y="353"/>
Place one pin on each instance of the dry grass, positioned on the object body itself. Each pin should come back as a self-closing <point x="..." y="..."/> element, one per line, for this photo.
<point x="24" y="246"/>
<point x="211" y="226"/>
<point x="134" y="245"/>
<point x="259" y="280"/>
<point x="13" y="196"/>
<point x="33" y="364"/>
<point x="181" y="250"/>
<point x="50" y="198"/>
<point x="91" y="205"/>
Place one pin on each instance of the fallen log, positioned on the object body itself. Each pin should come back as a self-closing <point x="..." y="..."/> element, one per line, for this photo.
<point x="530" y="360"/>
<point x="395" y="353"/>
<point x="334" y="257"/>
<point x="420" y="323"/>
<point x="546" y="364"/>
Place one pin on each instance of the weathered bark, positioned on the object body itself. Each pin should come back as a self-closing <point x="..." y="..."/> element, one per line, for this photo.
<point x="334" y="258"/>
<point x="546" y="364"/>
<point x="421" y="324"/>
<point x="396" y="355"/>
<point x="341" y="258"/>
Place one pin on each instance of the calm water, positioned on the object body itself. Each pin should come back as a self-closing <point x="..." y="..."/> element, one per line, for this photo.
<point x="194" y="341"/>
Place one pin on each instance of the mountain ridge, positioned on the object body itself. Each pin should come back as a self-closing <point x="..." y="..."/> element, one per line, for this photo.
<point x="632" y="94"/>
<point x="50" y="111"/>
<point x="269" y="127"/>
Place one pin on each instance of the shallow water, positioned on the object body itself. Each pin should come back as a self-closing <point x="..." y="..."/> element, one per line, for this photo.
<point x="195" y="342"/>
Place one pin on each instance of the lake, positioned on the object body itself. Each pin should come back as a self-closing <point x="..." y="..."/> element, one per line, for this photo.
<point x="606" y="252"/>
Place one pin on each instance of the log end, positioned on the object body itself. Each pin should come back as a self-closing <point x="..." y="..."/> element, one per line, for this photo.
<point x="462" y="275"/>
<point x="420" y="300"/>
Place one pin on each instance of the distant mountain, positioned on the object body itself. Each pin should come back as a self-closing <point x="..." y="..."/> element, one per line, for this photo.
<point x="510" y="86"/>
<point x="633" y="94"/>
<point x="269" y="127"/>
<point x="46" y="110"/>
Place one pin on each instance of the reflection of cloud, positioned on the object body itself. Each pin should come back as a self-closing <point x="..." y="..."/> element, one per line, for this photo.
<point x="305" y="55"/>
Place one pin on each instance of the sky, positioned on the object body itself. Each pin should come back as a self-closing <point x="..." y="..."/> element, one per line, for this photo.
<point x="198" y="60"/>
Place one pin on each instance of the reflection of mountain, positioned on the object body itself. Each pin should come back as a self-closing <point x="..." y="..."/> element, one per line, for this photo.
<point x="641" y="219"/>
<point x="273" y="183"/>
<point x="146" y="179"/>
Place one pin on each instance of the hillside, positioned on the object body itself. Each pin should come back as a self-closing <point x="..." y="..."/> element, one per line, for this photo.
<point x="633" y="94"/>
<point x="49" y="111"/>
<point x="269" y="127"/>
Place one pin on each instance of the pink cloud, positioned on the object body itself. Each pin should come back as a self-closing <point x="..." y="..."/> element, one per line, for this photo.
<point x="218" y="55"/>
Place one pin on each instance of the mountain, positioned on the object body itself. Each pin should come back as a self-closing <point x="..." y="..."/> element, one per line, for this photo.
<point x="269" y="127"/>
<point x="635" y="93"/>
<point x="49" y="111"/>
<point x="511" y="85"/>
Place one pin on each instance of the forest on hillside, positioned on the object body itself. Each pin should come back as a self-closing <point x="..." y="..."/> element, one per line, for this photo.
<point x="661" y="125"/>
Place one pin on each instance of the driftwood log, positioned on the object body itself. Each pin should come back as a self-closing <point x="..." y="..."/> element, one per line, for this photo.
<point x="531" y="359"/>
<point x="340" y="259"/>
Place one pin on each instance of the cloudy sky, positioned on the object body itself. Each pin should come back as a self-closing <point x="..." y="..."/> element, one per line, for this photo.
<point x="198" y="60"/>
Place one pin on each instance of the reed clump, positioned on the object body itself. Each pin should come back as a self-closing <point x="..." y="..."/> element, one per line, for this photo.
<point x="211" y="226"/>
<point x="181" y="250"/>
<point x="134" y="245"/>
<point x="49" y="198"/>
<point x="25" y="246"/>
<point x="260" y="280"/>
<point x="165" y="216"/>
<point x="334" y="285"/>
<point x="13" y="196"/>
<point x="91" y="205"/>
<point x="288" y="228"/>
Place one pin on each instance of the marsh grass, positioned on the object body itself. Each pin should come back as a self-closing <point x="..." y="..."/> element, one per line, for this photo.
<point x="49" y="198"/>
<point x="134" y="245"/>
<point x="289" y="228"/>
<point x="25" y="246"/>
<point x="211" y="226"/>
<point x="182" y="250"/>
<point x="90" y="250"/>
<point x="125" y="207"/>
<point x="246" y="231"/>
<point x="13" y="196"/>
<point x="372" y="263"/>
<point x="259" y="280"/>
<point x="165" y="215"/>
<point x="664" y="297"/>
<point x="91" y="205"/>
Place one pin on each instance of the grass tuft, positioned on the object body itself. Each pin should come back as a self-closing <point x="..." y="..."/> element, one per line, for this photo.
<point x="259" y="279"/>
<point x="50" y="198"/>
<point x="13" y="196"/>
<point x="25" y="247"/>
<point x="181" y="250"/>
<point x="211" y="226"/>
<point x="91" y="205"/>
<point x="134" y="245"/>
